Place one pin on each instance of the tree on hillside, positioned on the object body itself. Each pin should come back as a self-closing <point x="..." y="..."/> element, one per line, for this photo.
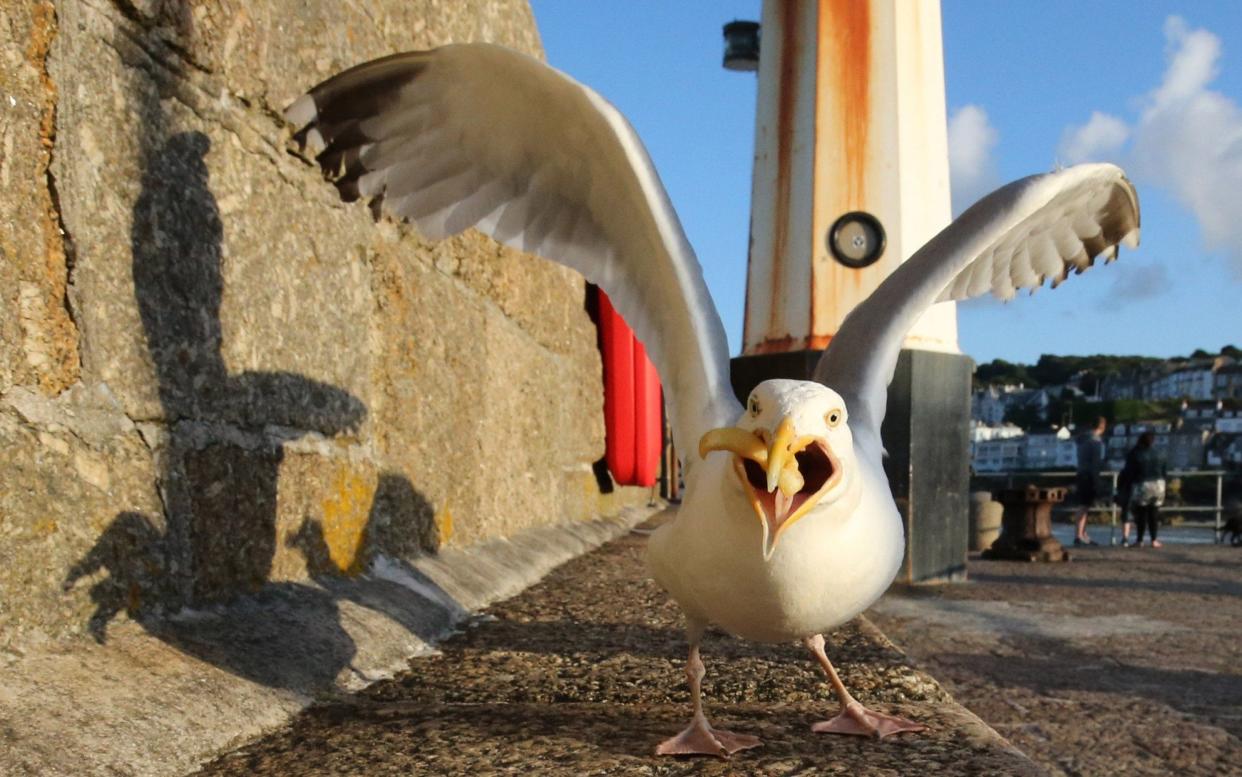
<point x="1025" y="416"/>
<point x="999" y="372"/>
<point x="1121" y="411"/>
<point x="1053" y="370"/>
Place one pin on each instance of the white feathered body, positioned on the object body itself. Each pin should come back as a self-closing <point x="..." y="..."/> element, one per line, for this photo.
<point x="827" y="568"/>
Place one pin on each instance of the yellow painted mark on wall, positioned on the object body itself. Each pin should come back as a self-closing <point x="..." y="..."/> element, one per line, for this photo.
<point x="444" y="522"/>
<point x="46" y="528"/>
<point x="345" y="516"/>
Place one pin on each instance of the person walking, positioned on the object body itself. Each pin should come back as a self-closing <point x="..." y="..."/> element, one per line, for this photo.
<point x="1090" y="460"/>
<point x="1122" y="499"/>
<point x="1145" y="469"/>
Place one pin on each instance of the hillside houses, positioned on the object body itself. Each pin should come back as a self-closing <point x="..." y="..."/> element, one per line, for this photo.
<point x="992" y="405"/>
<point x="1218" y="377"/>
<point x="1227" y="382"/>
<point x="1224" y="449"/>
<point x="1205" y="434"/>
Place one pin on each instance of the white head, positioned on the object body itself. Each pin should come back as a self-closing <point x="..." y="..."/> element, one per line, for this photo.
<point x="792" y="451"/>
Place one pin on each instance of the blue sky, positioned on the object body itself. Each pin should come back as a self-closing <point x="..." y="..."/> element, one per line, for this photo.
<point x="1156" y="87"/>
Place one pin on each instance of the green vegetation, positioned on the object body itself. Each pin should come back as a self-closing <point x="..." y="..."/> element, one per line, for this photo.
<point x="1124" y="411"/>
<point x="999" y="372"/>
<point x="1053" y="370"/>
<point x="1066" y="409"/>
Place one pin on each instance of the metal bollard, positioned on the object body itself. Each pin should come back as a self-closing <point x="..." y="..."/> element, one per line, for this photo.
<point x="1026" y="533"/>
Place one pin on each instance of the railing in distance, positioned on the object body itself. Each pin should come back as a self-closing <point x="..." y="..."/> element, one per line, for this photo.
<point x="1037" y="476"/>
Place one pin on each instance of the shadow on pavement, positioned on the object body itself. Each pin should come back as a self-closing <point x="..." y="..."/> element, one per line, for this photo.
<point x="1066" y="668"/>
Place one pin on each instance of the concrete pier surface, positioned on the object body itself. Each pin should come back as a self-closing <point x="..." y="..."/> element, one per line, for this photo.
<point x="583" y="674"/>
<point x="1122" y="661"/>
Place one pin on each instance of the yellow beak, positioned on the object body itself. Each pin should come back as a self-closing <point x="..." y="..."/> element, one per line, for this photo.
<point x="781" y="476"/>
<point x="782" y="466"/>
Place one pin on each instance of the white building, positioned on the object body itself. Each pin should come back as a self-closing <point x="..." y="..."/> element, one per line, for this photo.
<point x="1189" y="382"/>
<point x="999" y="455"/>
<point x="1231" y="425"/>
<point x="1050" y="450"/>
<point x="979" y="432"/>
<point x="990" y="404"/>
<point x="1227" y="383"/>
<point x="1008" y="448"/>
<point x="1218" y="378"/>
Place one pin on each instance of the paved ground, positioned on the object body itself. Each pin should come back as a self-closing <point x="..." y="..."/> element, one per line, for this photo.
<point x="582" y="674"/>
<point x="1124" y="661"/>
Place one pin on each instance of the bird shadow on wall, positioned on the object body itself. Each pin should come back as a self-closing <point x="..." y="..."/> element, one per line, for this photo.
<point x="222" y="443"/>
<point x="288" y="634"/>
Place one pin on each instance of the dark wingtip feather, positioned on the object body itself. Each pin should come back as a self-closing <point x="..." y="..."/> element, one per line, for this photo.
<point x="366" y="89"/>
<point x="329" y="117"/>
<point x="377" y="206"/>
<point x="348" y="189"/>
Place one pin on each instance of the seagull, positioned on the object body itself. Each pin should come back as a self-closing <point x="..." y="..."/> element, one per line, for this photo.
<point x="787" y="527"/>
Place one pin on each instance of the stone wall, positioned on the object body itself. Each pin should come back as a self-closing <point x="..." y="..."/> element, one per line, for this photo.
<point x="212" y="373"/>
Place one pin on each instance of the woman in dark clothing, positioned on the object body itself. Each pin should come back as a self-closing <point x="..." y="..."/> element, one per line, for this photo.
<point x="1145" y="470"/>
<point x="1121" y="498"/>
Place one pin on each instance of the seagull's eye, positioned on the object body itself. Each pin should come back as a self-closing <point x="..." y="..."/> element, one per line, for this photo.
<point x="754" y="406"/>
<point x="833" y="418"/>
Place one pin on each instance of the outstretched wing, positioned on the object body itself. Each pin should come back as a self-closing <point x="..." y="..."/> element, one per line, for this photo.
<point x="1015" y="238"/>
<point x="480" y="135"/>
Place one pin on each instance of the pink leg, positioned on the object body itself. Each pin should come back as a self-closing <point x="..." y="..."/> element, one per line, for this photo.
<point x="854" y="718"/>
<point x="699" y="738"/>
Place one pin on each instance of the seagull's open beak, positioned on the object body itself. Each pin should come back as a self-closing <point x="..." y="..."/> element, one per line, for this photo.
<point x="783" y="479"/>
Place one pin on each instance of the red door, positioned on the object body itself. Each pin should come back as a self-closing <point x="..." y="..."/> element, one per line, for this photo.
<point x="631" y="401"/>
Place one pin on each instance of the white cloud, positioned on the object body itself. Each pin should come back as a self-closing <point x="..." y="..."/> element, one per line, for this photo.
<point x="1100" y="139"/>
<point x="1187" y="138"/>
<point x="1192" y="61"/>
<point x="972" y="170"/>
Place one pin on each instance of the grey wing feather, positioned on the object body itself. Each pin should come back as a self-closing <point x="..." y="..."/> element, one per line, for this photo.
<point x="479" y="135"/>
<point x="1035" y="229"/>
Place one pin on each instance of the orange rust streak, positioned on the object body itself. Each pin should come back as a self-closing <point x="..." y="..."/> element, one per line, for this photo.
<point x="788" y="343"/>
<point x="817" y="342"/>
<point x="850" y="25"/>
<point x="787" y="102"/>
<point x="842" y="141"/>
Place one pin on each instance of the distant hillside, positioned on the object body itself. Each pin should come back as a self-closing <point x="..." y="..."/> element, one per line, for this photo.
<point x="1053" y="370"/>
